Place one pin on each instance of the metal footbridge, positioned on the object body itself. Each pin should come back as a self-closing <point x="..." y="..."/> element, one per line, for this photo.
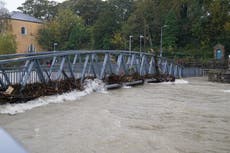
<point x="44" y="67"/>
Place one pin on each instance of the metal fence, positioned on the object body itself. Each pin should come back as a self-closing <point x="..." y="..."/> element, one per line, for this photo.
<point x="192" y="72"/>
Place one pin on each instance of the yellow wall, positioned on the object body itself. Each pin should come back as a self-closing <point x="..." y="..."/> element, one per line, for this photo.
<point x="24" y="41"/>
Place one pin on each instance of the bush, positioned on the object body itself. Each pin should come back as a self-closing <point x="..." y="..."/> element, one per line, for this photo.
<point x="7" y="44"/>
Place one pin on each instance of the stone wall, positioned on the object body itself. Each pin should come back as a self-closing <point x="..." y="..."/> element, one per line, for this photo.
<point x="29" y="38"/>
<point x="219" y="76"/>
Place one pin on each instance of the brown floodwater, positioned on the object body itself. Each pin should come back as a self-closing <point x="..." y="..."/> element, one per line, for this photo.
<point x="191" y="117"/>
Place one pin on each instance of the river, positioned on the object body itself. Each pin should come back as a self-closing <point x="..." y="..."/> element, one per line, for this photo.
<point x="189" y="116"/>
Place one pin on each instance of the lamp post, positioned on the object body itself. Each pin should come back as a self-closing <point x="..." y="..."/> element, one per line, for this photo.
<point x="229" y="62"/>
<point x="55" y="44"/>
<point x="161" y="39"/>
<point x="141" y="36"/>
<point x="130" y="43"/>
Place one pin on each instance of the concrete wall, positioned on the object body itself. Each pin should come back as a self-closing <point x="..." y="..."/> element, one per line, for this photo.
<point x="29" y="38"/>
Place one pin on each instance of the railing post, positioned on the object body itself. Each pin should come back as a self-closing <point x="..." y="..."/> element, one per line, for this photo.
<point x="7" y="80"/>
<point x="39" y="71"/>
<point x="60" y="68"/>
<point x="84" y="68"/>
<point x="104" y="66"/>
<point x="120" y="63"/>
<point x="27" y="74"/>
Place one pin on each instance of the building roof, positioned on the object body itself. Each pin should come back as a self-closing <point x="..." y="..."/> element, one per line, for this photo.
<point x="16" y="15"/>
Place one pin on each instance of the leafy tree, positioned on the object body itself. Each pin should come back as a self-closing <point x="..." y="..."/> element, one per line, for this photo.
<point x="209" y="22"/>
<point x="79" y="37"/>
<point x="218" y="13"/>
<point x="123" y="8"/>
<point x="7" y="44"/>
<point x="7" y="40"/>
<point x="89" y="10"/>
<point x="193" y="26"/>
<point x="104" y="29"/>
<point x="4" y="15"/>
<point x="146" y="21"/>
<point x="48" y="35"/>
<point x="66" y="29"/>
<point x="171" y="31"/>
<point x="42" y="9"/>
<point x="118" y="41"/>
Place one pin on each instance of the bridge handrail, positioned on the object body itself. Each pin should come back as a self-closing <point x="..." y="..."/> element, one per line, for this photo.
<point x="43" y="55"/>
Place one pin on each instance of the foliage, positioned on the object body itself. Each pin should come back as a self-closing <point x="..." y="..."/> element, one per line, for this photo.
<point x="79" y="37"/>
<point x="170" y="31"/>
<point x="118" y="41"/>
<point x="104" y="29"/>
<point x="7" y="40"/>
<point x="193" y="26"/>
<point x="88" y="10"/>
<point x="7" y="44"/>
<point x="4" y="15"/>
<point x="66" y="29"/>
<point x="42" y="9"/>
<point x="123" y="8"/>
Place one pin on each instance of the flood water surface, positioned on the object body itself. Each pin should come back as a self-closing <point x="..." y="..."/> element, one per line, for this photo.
<point x="189" y="116"/>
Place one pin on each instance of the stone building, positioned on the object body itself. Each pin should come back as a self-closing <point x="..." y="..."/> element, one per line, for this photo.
<point x="219" y="52"/>
<point x="25" y="28"/>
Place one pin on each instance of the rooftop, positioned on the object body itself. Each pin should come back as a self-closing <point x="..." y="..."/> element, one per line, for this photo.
<point x="24" y="17"/>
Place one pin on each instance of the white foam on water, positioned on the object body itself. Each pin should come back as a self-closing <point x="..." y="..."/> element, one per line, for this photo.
<point x="89" y="86"/>
<point x="226" y="91"/>
<point x="181" y="81"/>
<point x="177" y="81"/>
<point x="126" y="87"/>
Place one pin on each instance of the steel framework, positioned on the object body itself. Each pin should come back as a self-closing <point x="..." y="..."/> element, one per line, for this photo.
<point x="77" y="64"/>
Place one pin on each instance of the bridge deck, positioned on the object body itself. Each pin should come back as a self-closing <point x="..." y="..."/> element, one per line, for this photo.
<point x="46" y="67"/>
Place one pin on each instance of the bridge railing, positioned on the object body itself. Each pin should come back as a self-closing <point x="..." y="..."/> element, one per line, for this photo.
<point x="51" y="66"/>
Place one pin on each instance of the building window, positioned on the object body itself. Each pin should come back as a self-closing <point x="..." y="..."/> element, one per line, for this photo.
<point x="31" y="48"/>
<point x="23" y="31"/>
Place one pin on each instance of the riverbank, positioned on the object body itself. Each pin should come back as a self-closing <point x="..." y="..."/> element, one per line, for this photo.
<point x="191" y="116"/>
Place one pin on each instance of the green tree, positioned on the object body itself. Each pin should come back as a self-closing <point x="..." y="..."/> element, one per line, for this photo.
<point x="104" y="29"/>
<point x="7" y="44"/>
<point x="218" y="16"/>
<point x="42" y="9"/>
<point x="194" y="26"/>
<point x="88" y="10"/>
<point x="48" y="35"/>
<point x="123" y="8"/>
<point x="79" y="37"/>
<point x="66" y="29"/>
<point x="4" y="15"/>
<point x="170" y="31"/>
<point x="208" y="26"/>
<point x="145" y="20"/>
<point x="118" y="41"/>
<point x="7" y="40"/>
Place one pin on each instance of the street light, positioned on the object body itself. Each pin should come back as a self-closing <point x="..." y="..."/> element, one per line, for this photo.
<point x="229" y="62"/>
<point x="161" y="39"/>
<point x="130" y="42"/>
<point x="55" y="44"/>
<point x="141" y="36"/>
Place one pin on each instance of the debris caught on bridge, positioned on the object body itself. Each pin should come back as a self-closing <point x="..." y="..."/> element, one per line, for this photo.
<point x="17" y="94"/>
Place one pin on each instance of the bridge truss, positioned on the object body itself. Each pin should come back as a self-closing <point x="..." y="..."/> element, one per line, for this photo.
<point x="44" y="67"/>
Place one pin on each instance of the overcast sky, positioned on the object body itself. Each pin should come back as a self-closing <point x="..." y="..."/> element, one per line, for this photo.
<point x="12" y="5"/>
